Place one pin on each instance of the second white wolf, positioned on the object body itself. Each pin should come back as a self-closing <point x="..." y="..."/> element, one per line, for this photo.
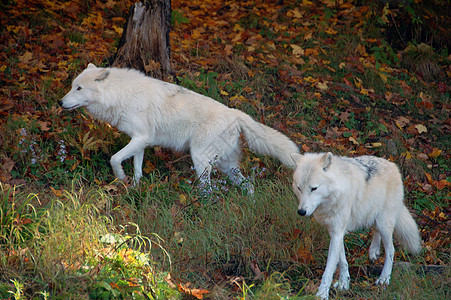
<point x="345" y="194"/>
<point x="153" y="112"/>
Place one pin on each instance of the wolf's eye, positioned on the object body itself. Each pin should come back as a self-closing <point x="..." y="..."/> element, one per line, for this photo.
<point x="79" y="88"/>
<point x="314" y="188"/>
<point x="299" y="189"/>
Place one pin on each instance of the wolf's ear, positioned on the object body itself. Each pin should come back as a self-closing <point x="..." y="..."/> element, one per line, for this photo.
<point x="326" y="160"/>
<point x="103" y="75"/>
<point x="295" y="157"/>
<point x="90" y="66"/>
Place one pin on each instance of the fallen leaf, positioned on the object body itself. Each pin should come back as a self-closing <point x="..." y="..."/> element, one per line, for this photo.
<point x="322" y="86"/>
<point x="401" y="122"/>
<point x="297" y="51"/>
<point x="331" y="31"/>
<point x="198" y="293"/>
<point x="44" y="125"/>
<point x="421" y="128"/>
<point x="435" y="153"/>
<point x="55" y="192"/>
<point x="149" y="167"/>
<point x="353" y="140"/>
<point x="26" y="57"/>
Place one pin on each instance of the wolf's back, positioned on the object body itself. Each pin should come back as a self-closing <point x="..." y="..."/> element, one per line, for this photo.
<point x="265" y="140"/>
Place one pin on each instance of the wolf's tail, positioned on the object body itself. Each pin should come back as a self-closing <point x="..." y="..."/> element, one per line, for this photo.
<point x="266" y="140"/>
<point x="406" y="231"/>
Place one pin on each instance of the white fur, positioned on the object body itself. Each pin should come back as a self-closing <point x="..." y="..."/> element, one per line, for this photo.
<point x="153" y="112"/>
<point x="345" y="194"/>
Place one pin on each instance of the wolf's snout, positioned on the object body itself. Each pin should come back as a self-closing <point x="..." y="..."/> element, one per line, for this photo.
<point x="302" y="212"/>
<point x="60" y="103"/>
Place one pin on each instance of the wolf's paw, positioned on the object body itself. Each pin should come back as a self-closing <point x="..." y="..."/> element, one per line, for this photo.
<point x="373" y="254"/>
<point x="342" y="284"/>
<point x="248" y="188"/>
<point x="323" y="294"/>
<point x="383" y="281"/>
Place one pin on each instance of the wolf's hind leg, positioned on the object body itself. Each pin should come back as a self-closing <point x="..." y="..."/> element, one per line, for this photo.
<point x="386" y="232"/>
<point x="375" y="248"/>
<point x="237" y="178"/>
<point x="203" y="166"/>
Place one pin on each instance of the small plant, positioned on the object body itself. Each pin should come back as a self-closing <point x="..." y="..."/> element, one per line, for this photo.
<point x="177" y="17"/>
<point x="421" y="59"/>
<point x="19" y="219"/>
<point x="18" y="293"/>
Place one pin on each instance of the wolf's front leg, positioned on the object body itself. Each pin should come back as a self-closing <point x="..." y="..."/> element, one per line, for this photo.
<point x="134" y="148"/>
<point x="343" y="281"/>
<point x="336" y="244"/>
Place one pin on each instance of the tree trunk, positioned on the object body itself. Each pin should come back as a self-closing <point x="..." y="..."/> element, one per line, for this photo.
<point x="145" y="41"/>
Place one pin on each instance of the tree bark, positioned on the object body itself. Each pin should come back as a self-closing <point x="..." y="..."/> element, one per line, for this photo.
<point x="144" y="44"/>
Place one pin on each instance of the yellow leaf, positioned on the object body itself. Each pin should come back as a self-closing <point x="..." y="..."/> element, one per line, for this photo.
<point x="57" y="193"/>
<point x="295" y="13"/>
<point x="331" y="31"/>
<point x="408" y="155"/>
<point x="310" y="79"/>
<point x="364" y="91"/>
<point x="358" y="82"/>
<point x="237" y="27"/>
<point x="297" y="50"/>
<point x="196" y="34"/>
<point x="353" y="140"/>
<point x="224" y="93"/>
<point x="435" y="153"/>
<point x="322" y="86"/>
<point x="183" y="199"/>
<point x="118" y="29"/>
<point x="376" y="145"/>
<point x="421" y="128"/>
<point x="3" y="68"/>
<point x="178" y="237"/>
<point x="383" y="77"/>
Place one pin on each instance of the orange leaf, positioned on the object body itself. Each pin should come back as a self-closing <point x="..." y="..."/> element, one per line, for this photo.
<point x="114" y="285"/>
<point x="198" y="293"/>
<point x="331" y="31"/>
<point x="44" y="125"/>
<point x="441" y="184"/>
<point x="57" y="193"/>
<point x="435" y="153"/>
<point x="304" y="256"/>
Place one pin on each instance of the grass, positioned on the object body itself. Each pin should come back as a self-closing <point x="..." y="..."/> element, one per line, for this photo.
<point x="99" y="242"/>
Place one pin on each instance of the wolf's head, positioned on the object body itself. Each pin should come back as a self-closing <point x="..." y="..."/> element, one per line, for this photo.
<point x="311" y="183"/>
<point x="85" y="88"/>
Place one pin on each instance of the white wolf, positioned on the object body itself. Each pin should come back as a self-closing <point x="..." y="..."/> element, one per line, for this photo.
<point x="153" y="112"/>
<point x="345" y="194"/>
